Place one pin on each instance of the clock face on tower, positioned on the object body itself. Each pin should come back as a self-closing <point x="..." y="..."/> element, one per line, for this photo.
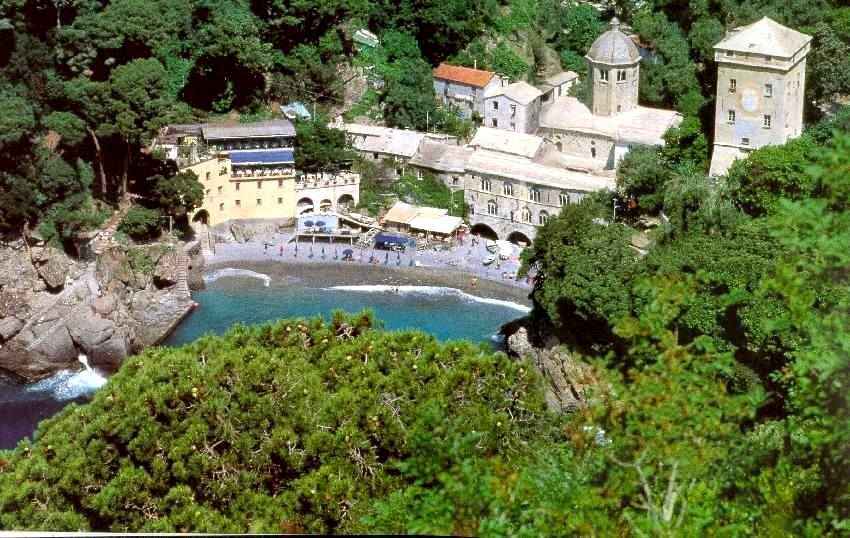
<point x="749" y="100"/>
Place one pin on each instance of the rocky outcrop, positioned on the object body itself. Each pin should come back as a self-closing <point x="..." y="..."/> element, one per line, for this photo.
<point x="568" y="380"/>
<point x="166" y="270"/>
<point x="126" y="300"/>
<point x="241" y="233"/>
<point x="52" y="266"/>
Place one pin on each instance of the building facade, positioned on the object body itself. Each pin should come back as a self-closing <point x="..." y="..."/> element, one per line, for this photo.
<point x="463" y="88"/>
<point x="761" y="77"/>
<point x="248" y="172"/>
<point x="510" y="198"/>
<point x="515" y="107"/>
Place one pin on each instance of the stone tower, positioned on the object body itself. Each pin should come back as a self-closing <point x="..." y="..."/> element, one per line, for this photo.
<point x="761" y="78"/>
<point x="613" y="63"/>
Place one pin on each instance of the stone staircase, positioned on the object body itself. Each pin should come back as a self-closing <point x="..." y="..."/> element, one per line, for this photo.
<point x="183" y="275"/>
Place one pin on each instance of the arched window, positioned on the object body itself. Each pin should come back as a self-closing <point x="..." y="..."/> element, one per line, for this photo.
<point x="534" y="194"/>
<point x="508" y="189"/>
<point x="492" y="208"/>
<point x="526" y="215"/>
<point x="486" y="185"/>
<point x="564" y="198"/>
<point x="544" y="216"/>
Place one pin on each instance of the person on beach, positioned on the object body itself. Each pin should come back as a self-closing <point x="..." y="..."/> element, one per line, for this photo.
<point x="281" y="249"/>
<point x="265" y="247"/>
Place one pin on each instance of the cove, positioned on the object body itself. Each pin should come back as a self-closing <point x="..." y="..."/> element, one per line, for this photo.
<point x="249" y="298"/>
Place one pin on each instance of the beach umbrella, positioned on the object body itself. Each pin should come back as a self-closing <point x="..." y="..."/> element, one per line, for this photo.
<point x="320" y="223"/>
<point x="347" y="252"/>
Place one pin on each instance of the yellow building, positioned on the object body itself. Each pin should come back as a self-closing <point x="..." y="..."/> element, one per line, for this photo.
<point x="248" y="172"/>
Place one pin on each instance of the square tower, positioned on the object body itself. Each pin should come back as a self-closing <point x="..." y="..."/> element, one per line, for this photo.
<point x="761" y="77"/>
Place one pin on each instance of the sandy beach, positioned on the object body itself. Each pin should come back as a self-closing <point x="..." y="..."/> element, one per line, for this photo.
<point x="458" y="268"/>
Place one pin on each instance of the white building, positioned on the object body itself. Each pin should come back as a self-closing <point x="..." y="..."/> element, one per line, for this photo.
<point x="515" y="107"/>
<point x="464" y="87"/>
<point x="761" y="77"/>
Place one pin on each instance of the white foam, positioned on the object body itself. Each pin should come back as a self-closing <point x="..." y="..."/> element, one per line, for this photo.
<point x="430" y="290"/>
<point x="233" y="272"/>
<point x="67" y="385"/>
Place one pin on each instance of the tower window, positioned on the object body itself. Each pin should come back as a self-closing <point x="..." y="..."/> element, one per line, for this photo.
<point x="768" y="90"/>
<point x="495" y="122"/>
<point x="593" y="152"/>
<point x="766" y="123"/>
<point x="508" y="189"/>
<point x="729" y="53"/>
<point x="208" y="176"/>
<point x="603" y="75"/>
<point x="259" y="201"/>
<point x="731" y="117"/>
<point x="280" y="200"/>
<point x="745" y="141"/>
<point x="221" y="207"/>
<point x="564" y="198"/>
<point x="621" y="75"/>
<point x="733" y="85"/>
<point x="485" y="185"/>
<point x="534" y="195"/>
<point x="238" y="203"/>
<point x="237" y="187"/>
<point x="219" y="190"/>
<point x="492" y="208"/>
<point x="259" y="184"/>
<point x="495" y="105"/>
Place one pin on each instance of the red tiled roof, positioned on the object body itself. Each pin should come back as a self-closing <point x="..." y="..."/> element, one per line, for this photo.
<point x="463" y="75"/>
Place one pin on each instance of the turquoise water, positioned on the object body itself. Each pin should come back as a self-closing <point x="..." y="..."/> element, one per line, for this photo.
<point x="443" y="312"/>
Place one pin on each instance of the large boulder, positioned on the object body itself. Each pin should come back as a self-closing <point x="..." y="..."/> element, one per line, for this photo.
<point x="156" y="313"/>
<point x="52" y="266"/>
<point x="89" y="330"/>
<point x="241" y="233"/>
<point x="108" y="355"/>
<point x="30" y="359"/>
<point x="567" y="380"/>
<point x="166" y="270"/>
<point x="9" y="327"/>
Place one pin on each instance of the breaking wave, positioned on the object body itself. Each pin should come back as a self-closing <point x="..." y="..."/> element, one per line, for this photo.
<point x="430" y="290"/>
<point x="233" y="272"/>
<point x="67" y="385"/>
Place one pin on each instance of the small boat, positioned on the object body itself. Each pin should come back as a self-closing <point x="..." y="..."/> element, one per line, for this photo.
<point x="488" y="260"/>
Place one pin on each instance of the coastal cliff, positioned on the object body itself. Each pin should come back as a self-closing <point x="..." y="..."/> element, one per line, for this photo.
<point x="54" y="308"/>
<point x="568" y="380"/>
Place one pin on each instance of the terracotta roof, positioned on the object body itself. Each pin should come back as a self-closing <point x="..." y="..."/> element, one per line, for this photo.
<point x="463" y="75"/>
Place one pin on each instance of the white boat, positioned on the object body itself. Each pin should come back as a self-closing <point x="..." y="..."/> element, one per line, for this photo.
<point x="488" y="260"/>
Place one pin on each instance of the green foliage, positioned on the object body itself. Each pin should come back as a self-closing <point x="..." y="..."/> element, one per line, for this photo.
<point x="430" y="191"/>
<point x="140" y="223"/>
<point x="294" y="426"/>
<point x="179" y="194"/>
<point x="507" y="62"/>
<point x="17" y="117"/>
<point x="642" y="176"/>
<point x="320" y="148"/>
<point x="68" y="125"/>
<point x="63" y="220"/>
<point x="772" y="173"/>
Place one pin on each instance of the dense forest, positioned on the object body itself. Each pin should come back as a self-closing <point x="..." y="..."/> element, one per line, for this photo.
<point x="85" y="84"/>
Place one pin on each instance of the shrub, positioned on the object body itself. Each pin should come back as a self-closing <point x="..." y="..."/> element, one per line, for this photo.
<point x="140" y="223"/>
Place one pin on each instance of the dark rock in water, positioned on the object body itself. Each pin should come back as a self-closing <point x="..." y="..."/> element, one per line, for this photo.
<point x="125" y="301"/>
<point x="567" y="379"/>
<point x="108" y="355"/>
<point x="40" y="357"/>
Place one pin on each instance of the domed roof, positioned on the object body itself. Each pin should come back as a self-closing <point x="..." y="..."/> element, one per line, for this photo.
<point x="613" y="47"/>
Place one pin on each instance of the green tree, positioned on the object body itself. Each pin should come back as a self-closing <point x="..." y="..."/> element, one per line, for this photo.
<point x="18" y="117"/>
<point x="293" y="426"/>
<point x="407" y="95"/>
<point x="771" y="173"/>
<point x="320" y="148"/>
<point x="642" y="176"/>
<point x="68" y="125"/>
<point x="140" y="223"/>
<point x="179" y="194"/>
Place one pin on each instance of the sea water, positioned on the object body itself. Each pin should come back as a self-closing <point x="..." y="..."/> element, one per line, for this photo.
<point x="237" y="296"/>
